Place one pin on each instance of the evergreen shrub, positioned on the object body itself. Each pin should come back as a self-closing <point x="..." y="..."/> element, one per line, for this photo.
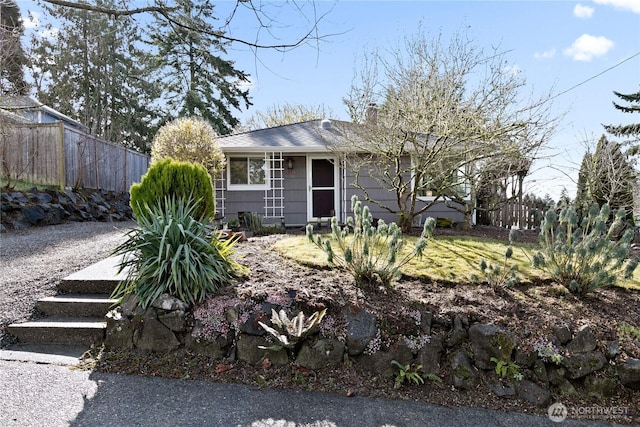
<point x="172" y="179"/>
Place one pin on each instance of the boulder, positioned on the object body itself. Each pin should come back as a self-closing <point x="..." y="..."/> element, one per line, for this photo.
<point x="380" y="361"/>
<point x="583" y="342"/>
<point x="490" y="341"/>
<point x="629" y="374"/>
<point x="154" y="336"/>
<point x="579" y="365"/>
<point x="249" y="351"/>
<point x="325" y="352"/>
<point x="429" y="355"/>
<point x="361" y="330"/>
<point x="168" y="303"/>
<point x="119" y="331"/>
<point x="463" y="374"/>
<point x="562" y="333"/>
<point x="458" y="333"/>
<point x="532" y="393"/>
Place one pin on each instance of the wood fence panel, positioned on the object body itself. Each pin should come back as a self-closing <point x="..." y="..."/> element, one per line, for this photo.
<point x="35" y="152"/>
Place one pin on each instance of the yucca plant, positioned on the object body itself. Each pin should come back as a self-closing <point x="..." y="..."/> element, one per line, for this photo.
<point x="172" y="252"/>
<point x="372" y="253"/>
<point x="289" y="332"/>
<point x="588" y="256"/>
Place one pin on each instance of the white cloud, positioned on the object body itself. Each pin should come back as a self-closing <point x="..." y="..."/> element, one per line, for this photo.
<point x="632" y="5"/>
<point x="32" y="20"/>
<point x="587" y="47"/>
<point x="547" y="54"/>
<point x="581" y="11"/>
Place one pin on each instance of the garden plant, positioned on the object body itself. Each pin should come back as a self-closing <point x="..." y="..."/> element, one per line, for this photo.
<point x="370" y="253"/>
<point x="588" y="256"/>
<point x="177" y="253"/>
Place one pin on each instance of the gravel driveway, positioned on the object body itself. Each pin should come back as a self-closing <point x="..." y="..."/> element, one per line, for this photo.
<point x="33" y="261"/>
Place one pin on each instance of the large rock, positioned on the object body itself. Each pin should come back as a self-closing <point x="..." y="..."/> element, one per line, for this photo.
<point x="429" y="356"/>
<point x="249" y="351"/>
<point x="361" y="330"/>
<point x="215" y="349"/>
<point x="532" y="393"/>
<point x="489" y="340"/>
<point x="463" y="374"/>
<point x="119" y="331"/>
<point x="325" y="352"/>
<point x="583" y="342"/>
<point x="629" y="374"/>
<point x="380" y="361"/>
<point x="154" y="336"/>
<point x="579" y="365"/>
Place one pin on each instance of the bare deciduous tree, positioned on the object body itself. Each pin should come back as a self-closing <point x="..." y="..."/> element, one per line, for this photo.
<point x="447" y="113"/>
<point x="280" y="115"/>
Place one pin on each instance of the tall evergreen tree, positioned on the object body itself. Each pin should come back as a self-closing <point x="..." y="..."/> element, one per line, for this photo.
<point x="583" y="194"/>
<point x="95" y="72"/>
<point x="198" y="81"/>
<point x="12" y="57"/>
<point x="631" y="131"/>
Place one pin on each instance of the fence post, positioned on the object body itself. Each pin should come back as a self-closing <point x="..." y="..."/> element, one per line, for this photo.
<point x="61" y="156"/>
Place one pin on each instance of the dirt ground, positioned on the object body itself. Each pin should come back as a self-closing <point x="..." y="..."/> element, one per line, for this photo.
<point x="528" y="311"/>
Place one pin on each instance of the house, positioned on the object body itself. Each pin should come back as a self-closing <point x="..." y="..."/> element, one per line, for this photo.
<point x="33" y="111"/>
<point x="290" y="174"/>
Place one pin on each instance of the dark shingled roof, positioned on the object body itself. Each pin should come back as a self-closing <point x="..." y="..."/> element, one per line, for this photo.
<point x="309" y="136"/>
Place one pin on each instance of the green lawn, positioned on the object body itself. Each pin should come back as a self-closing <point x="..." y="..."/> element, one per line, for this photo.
<point x="449" y="259"/>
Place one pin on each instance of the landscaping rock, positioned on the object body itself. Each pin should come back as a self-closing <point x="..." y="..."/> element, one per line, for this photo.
<point x="361" y="330"/>
<point x="600" y="387"/>
<point x="426" y="318"/>
<point x="323" y="353"/>
<point x="629" y="374"/>
<point x="168" y="303"/>
<point x="214" y="349"/>
<point x="489" y="340"/>
<point x="174" y="320"/>
<point x="566" y="388"/>
<point x="429" y="356"/>
<point x="131" y="306"/>
<point x="582" y="364"/>
<point x="249" y="351"/>
<point x="525" y="359"/>
<point x="119" y="331"/>
<point x="540" y="371"/>
<point x="380" y="361"/>
<point x="532" y="393"/>
<point x="563" y="333"/>
<point x="502" y="390"/>
<point x="458" y="333"/>
<point x="583" y="342"/>
<point x="463" y="373"/>
<point x="556" y="375"/>
<point x="154" y="336"/>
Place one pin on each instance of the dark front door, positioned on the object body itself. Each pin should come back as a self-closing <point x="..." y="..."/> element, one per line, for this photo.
<point x="323" y="188"/>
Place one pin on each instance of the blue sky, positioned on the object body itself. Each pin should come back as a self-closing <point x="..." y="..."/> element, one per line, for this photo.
<point x="554" y="44"/>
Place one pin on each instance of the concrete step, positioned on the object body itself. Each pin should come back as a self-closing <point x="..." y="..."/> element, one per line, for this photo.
<point x="73" y="305"/>
<point x="50" y="354"/>
<point x="67" y="331"/>
<point x="99" y="278"/>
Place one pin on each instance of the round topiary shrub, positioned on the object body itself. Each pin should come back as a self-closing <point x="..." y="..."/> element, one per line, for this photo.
<point x="189" y="139"/>
<point x="169" y="178"/>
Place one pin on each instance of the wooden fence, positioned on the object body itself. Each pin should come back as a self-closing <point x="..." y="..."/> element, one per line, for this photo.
<point x="507" y="216"/>
<point x="53" y="154"/>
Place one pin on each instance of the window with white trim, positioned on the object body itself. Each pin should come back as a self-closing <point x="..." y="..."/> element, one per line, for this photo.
<point x="247" y="173"/>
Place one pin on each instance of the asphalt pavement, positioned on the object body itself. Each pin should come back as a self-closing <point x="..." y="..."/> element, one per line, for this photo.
<point x="37" y="394"/>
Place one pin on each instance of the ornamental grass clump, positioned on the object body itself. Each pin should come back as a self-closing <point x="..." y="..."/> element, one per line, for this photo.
<point x="174" y="253"/>
<point x="586" y="257"/>
<point x="372" y="254"/>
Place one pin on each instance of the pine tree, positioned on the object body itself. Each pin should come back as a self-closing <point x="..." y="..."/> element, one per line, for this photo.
<point x="12" y="57"/>
<point x="631" y="131"/>
<point x="95" y="72"/>
<point x="584" y="199"/>
<point x="198" y="81"/>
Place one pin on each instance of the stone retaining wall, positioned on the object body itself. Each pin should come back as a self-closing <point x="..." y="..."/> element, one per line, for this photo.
<point x="462" y="354"/>
<point x="23" y="209"/>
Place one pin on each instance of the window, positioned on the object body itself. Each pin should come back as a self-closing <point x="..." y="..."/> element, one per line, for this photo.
<point x="445" y="185"/>
<point x="247" y="173"/>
